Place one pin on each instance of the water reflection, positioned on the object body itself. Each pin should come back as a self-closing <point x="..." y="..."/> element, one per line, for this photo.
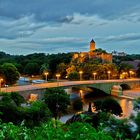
<point x="126" y="104"/>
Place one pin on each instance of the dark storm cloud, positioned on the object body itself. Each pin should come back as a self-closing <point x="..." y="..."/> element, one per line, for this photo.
<point x="54" y="10"/>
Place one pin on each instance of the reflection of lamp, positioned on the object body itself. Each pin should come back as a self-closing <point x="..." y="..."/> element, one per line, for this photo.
<point x="80" y="72"/>
<point x="81" y="93"/>
<point x="0" y="83"/>
<point x="94" y="74"/>
<point x="46" y="74"/>
<point x="58" y="76"/>
<point x="109" y="74"/>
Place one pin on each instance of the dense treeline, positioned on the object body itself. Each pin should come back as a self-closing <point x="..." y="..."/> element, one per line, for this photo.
<point x="21" y="61"/>
<point x="39" y="63"/>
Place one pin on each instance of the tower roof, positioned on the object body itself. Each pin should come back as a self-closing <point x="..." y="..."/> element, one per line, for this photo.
<point x="92" y="41"/>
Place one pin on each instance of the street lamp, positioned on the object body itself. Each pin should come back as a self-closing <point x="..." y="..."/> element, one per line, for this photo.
<point x="58" y="76"/>
<point x="80" y="72"/>
<point x="94" y="74"/>
<point x="0" y="83"/>
<point x="46" y="74"/>
<point x="108" y="74"/>
<point x="131" y="73"/>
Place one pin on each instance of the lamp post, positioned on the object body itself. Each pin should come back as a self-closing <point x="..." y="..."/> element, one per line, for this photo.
<point x="46" y="74"/>
<point x="94" y="74"/>
<point x="58" y="76"/>
<point x="131" y="74"/>
<point x="0" y="83"/>
<point x="80" y="72"/>
<point x="108" y="74"/>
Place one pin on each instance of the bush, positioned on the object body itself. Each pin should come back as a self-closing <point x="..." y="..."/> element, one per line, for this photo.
<point x="32" y="115"/>
<point x="57" y="101"/>
<point x="52" y="130"/>
<point x="18" y="99"/>
<point x="36" y="113"/>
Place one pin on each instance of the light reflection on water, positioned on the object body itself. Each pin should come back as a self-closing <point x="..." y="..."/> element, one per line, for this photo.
<point x="126" y="104"/>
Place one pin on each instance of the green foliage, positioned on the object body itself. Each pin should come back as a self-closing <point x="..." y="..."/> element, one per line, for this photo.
<point x="108" y="105"/>
<point x="33" y="115"/>
<point x="137" y="121"/>
<point x="125" y="67"/>
<point x="61" y="68"/>
<point x="100" y="51"/>
<point x="10" y="73"/>
<point x="57" y="100"/>
<point x="32" y="68"/>
<point x="18" y="99"/>
<point x="44" y="68"/>
<point x="119" y="129"/>
<point x="73" y="75"/>
<point x="137" y="103"/>
<point x="52" y="130"/>
<point x="10" y="112"/>
<point x="77" y="104"/>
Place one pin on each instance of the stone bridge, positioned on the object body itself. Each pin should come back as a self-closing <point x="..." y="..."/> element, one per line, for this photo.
<point x="104" y="85"/>
<point x="107" y="86"/>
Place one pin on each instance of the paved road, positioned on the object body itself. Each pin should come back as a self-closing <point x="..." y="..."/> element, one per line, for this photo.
<point x="56" y="84"/>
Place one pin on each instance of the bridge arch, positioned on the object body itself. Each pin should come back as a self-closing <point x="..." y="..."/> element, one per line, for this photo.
<point x="125" y="86"/>
<point x="89" y="91"/>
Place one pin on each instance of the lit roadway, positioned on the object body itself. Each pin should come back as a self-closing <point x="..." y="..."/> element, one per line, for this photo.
<point x="60" y="83"/>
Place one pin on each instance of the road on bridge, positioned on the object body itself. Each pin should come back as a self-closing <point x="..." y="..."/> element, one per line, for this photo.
<point x="62" y="84"/>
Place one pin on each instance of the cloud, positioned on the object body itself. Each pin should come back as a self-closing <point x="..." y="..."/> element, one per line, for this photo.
<point x="22" y="27"/>
<point x="52" y="26"/>
<point x="78" y="18"/>
<point x="133" y="17"/>
<point x="124" y="37"/>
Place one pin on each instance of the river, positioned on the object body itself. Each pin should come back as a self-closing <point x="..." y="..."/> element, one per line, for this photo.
<point x="126" y="104"/>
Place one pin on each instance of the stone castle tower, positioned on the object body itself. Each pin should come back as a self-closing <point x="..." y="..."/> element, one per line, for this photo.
<point x="91" y="54"/>
<point x="92" y="45"/>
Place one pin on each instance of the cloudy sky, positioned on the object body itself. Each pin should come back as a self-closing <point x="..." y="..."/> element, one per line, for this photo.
<point x="52" y="26"/>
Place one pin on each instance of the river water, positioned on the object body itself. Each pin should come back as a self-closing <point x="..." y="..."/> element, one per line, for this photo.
<point x="126" y="104"/>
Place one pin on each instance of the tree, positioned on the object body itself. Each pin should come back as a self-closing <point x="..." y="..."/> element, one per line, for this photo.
<point x="44" y="68"/>
<point x="61" y="68"/>
<point x="108" y="105"/>
<point x="57" y="100"/>
<point x="73" y="75"/>
<point x="32" y="68"/>
<point x="10" y="73"/>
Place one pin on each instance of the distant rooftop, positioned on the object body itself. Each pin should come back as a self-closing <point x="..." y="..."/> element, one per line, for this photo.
<point x="92" y="41"/>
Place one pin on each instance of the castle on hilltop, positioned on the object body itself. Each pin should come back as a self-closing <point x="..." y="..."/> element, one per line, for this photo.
<point x="93" y="53"/>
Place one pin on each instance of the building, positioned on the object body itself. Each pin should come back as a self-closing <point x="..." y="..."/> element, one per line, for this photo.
<point x="93" y="53"/>
<point x="115" y="53"/>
